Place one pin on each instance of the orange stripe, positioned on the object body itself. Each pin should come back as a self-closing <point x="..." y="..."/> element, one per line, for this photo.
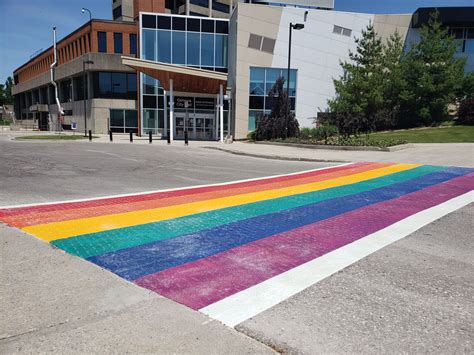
<point x="70" y="214"/>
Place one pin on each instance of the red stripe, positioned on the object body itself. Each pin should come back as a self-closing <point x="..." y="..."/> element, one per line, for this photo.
<point x="162" y="195"/>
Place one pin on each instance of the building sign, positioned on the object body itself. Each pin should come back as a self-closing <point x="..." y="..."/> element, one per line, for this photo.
<point x="199" y="103"/>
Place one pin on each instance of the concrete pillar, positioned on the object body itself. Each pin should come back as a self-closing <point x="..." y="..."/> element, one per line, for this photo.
<point x="171" y="110"/>
<point x="221" y="113"/>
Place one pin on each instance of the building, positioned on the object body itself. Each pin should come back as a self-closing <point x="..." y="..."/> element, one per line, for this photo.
<point x="204" y="67"/>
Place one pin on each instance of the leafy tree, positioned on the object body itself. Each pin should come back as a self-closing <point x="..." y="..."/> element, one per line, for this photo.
<point x="8" y="91"/>
<point x="359" y="93"/>
<point x="432" y="74"/>
<point x="2" y="94"/>
<point x="281" y="122"/>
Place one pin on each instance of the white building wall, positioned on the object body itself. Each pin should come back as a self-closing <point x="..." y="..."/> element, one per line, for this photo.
<point x="316" y="54"/>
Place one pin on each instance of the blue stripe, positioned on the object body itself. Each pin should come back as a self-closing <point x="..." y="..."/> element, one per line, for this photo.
<point x="135" y="262"/>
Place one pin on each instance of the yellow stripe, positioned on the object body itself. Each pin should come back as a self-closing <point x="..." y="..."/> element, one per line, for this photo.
<point x="66" y="229"/>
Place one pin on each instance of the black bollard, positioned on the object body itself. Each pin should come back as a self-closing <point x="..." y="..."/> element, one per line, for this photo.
<point x="131" y="136"/>
<point x="168" y="137"/>
<point x="150" y="138"/>
<point x="186" y="138"/>
<point x="110" y="136"/>
<point x="90" y="135"/>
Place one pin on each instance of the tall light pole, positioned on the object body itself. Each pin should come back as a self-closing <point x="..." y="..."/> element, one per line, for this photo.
<point x="296" y="26"/>
<point x="84" y="9"/>
<point x="84" y="85"/>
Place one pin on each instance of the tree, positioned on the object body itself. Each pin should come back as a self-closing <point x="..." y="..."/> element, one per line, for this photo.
<point x="2" y="94"/>
<point x="280" y="119"/>
<point x="8" y="91"/>
<point x="359" y="92"/>
<point x="432" y="74"/>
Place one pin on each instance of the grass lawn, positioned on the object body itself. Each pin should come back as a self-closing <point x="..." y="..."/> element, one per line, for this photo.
<point x="56" y="137"/>
<point x="449" y="134"/>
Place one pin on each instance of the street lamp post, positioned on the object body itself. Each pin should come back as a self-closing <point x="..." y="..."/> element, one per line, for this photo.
<point x="84" y="9"/>
<point x="84" y="84"/>
<point x="296" y="26"/>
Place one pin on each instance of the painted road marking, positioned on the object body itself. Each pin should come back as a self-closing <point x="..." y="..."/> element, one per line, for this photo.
<point x="214" y="247"/>
<point x="246" y="304"/>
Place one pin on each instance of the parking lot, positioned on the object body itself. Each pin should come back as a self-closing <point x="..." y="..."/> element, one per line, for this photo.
<point x="368" y="256"/>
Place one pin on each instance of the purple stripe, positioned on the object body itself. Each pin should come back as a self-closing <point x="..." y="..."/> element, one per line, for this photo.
<point x="205" y="281"/>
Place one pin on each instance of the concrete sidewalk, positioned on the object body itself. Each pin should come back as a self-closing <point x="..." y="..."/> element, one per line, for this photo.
<point x="54" y="302"/>
<point x="456" y="154"/>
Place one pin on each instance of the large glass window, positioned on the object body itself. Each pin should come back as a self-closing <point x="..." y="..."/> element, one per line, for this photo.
<point x="117" y="12"/>
<point x="118" y="42"/>
<point x="203" y="3"/>
<point x="188" y="41"/>
<point x="261" y="83"/>
<point x="115" y="85"/>
<point x="102" y="42"/>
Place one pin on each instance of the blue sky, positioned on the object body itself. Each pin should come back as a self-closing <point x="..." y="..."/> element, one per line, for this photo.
<point x="25" y="25"/>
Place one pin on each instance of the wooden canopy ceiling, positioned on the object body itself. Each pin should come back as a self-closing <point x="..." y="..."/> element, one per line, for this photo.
<point x="185" y="79"/>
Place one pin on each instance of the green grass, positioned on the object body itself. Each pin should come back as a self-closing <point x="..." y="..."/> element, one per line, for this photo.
<point x="447" y="134"/>
<point x="57" y="137"/>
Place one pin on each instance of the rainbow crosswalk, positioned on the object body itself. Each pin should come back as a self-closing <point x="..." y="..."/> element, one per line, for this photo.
<point x="209" y="246"/>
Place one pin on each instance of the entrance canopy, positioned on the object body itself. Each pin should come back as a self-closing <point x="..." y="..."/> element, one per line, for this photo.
<point x="185" y="79"/>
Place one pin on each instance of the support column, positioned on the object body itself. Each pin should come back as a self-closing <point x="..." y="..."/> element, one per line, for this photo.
<point x="221" y="113"/>
<point x="165" y="113"/>
<point x="171" y="110"/>
<point x="216" y="131"/>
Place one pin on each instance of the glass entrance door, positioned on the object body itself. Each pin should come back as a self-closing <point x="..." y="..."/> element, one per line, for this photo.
<point x="200" y="126"/>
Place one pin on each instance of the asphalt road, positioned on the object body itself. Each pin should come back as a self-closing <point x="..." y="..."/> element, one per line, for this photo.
<point x="35" y="172"/>
<point x="413" y="296"/>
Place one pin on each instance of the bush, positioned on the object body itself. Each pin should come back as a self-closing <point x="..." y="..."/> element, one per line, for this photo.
<point x="466" y="112"/>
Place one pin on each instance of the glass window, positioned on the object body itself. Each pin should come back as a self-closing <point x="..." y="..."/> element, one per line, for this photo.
<point x="117" y="12"/>
<point x="133" y="43"/>
<point x="252" y="119"/>
<point x="218" y="6"/>
<point x="149" y="21"/>
<point x="118" y="43"/>
<point x="149" y="44"/>
<point x="131" y="119"/>
<point x="222" y="27"/>
<point x="257" y="81"/>
<point x="132" y="85"/>
<point x="149" y="101"/>
<point x="164" y="46"/>
<point x="203" y="3"/>
<point x="119" y="83"/>
<point x="193" y="42"/>
<point x="164" y="22"/>
<point x="271" y="77"/>
<point x="292" y="80"/>
<point x="207" y="26"/>
<point x="105" y="87"/>
<point x="457" y="32"/>
<point x="469" y="46"/>
<point x="116" y="118"/>
<point x="194" y="24"/>
<point x="179" y="23"/>
<point x="150" y="85"/>
<point x="207" y="49"/>
<point x="102" y="42"/>
<point x="221" y="50"/>
<point x="179" y="47"/>
<point x="256" y="102"/>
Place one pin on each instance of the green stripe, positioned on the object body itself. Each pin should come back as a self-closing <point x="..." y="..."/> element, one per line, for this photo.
<point x="93" y="244"/>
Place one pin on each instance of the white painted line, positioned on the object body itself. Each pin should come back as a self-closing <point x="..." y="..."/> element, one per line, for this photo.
<point x="172" y="189"/>
<point x="245" y="304"/>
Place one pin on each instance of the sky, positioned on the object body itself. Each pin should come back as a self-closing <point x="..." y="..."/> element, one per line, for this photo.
<point x="26" y="25"/>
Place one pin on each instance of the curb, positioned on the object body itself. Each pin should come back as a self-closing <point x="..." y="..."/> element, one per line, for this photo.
<point x="276" y="157"/>
<point x="337" y="147"/>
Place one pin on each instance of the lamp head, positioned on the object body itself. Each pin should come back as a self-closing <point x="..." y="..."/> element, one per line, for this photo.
<point x="298" y="26"/>
<point x="83" y="10"/>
